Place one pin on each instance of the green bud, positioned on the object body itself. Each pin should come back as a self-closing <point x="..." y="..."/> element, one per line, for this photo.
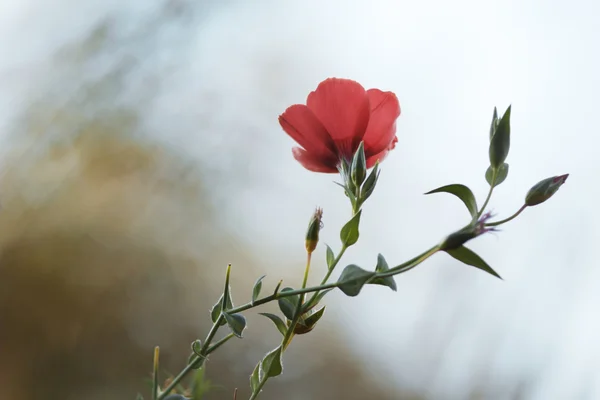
<point x="545" y="189"/>
<point x="358" y="170"/>
<point x="500" y="141"/>
<point x="314" y="226"/>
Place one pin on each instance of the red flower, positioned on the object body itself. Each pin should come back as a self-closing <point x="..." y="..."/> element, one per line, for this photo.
<point x="336" y="118"/>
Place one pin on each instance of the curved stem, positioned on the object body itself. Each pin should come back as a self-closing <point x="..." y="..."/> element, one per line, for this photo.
<point x="509" y="218"/>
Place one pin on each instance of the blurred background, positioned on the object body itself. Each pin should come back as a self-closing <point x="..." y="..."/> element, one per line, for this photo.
<point x="140" y="153"/>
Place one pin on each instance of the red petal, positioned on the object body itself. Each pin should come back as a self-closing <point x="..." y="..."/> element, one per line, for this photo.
<point x="342" y="106"/>
<point x="382" y="155"/>
<point x="313" y="162"/>
<point x="385" y="110"/>
<point x="304" y="127"/>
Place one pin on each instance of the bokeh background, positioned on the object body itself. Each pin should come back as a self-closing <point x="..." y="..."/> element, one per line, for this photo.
<point x="140" y="153"/>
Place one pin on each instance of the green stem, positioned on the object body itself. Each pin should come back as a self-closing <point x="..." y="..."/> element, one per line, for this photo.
<point x="192" y="364"/>
<point x="509" y="218"/>
<point x="280" y="295"/>
<point x="410" y="264"/>
<point x="155" y="374"/>
<point x="289" y="335"/>
<point x="489" y="196"/>
<point x="219" y="343"/>
<point x="259" y="387"/>
<point x="306" y="271"/>
<point x="329" y="272"/>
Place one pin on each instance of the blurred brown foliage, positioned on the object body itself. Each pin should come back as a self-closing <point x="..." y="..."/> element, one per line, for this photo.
<point x="109" y="245"/>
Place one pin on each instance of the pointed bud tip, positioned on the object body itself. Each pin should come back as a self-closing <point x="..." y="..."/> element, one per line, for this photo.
<point x="312" y="233"/>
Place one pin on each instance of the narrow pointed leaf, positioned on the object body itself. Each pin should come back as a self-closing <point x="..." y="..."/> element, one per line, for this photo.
<point x="500" y="143"/>
<point x="308" y="323"/>
<point x="236" y="322"/>
<point x="494" y="123"/>
<point x="281" y="327"/>
<point x="382" y="266"/>
<point x="463" y="193"/>
<point x="316" y="301"/>
<point x="352" y="279"/>
<point x="370" y="183"/>
<point x="349" y="233"/>
<point x="256" y="289"/>
<point x="469" y="257"/>
<point x="330" y="257"/>
<point x="226" y="291"/>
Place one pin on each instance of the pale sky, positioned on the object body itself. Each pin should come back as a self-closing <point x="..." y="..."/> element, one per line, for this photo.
<point x="227" y="71"/>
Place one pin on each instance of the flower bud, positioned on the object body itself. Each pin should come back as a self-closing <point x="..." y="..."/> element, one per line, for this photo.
<point x="312" y="234"/>
<point x="545" y="189"/>
<point x="358" y="170"/>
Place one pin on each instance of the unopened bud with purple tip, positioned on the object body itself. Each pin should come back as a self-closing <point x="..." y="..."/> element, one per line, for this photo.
<point x="545" y="189"/>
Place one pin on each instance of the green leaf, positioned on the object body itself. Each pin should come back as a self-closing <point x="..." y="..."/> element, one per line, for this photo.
<point x="500" y="143"/>
<point x="370" y="183"/>
<point x="500" y="177"/>
<point x="196" y="357"/>
<point x="329" y="256"/>
<point x="463" y="193"/>
<point x="277" y="321"/>
<point x="358" y="170"/>
<point x="215" y="311"/>
<point x="227" y="291"/>
<point x="352" y="279"/>
<point x="494" y="123"/>
<point x="349" y="234"/>
<point x="469" y="257"/>
<point x="382" y="266"/>
<point x="348" y="192"/>
<point x="317" y="299"/>
<point x="236" y="322"/>
<point x="271" y="365"/>
<point x="255" y="378"/>
<point x="256" y="289"/>
<point x="289" y="304"/>
<point x="307" y="324"/>
<point x="313" y="318"/>
<point x="197" y="348"/>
